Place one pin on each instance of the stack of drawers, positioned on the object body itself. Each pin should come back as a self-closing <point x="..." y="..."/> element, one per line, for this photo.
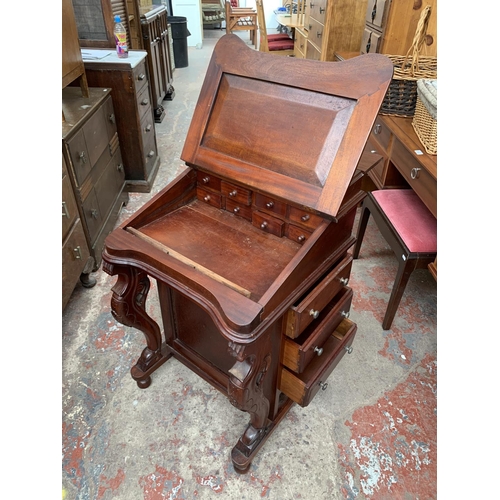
<point x="92" y="152"/>
<point x="134" y="114"/>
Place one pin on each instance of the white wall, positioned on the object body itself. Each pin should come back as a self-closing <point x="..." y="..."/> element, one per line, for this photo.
<point x="191" y="10"/>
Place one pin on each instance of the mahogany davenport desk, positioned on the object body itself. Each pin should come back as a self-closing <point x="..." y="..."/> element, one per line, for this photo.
<point x="249" y="245"/>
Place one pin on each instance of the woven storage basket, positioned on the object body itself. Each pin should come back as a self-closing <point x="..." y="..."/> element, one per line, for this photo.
<point x="425" y="119"/>
<point x="401" y="96"/>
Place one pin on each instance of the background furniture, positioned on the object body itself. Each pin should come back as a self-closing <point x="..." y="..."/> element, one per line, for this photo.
<point x="249" y="244"/>
<point x="390" y="26"/>
<point x="278" y="44"/>
<point x="213" y="12"/>
<point x="92" y="152"/>
<point x="241" y="19"/>
<point x="133" y="112"/>
<point x="409" y="229"/>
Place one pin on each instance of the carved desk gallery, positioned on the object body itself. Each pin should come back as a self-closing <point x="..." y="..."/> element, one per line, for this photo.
<point x="249" y="245"/>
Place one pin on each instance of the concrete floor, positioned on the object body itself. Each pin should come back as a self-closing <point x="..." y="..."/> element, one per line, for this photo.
<point x="370" y="435"/>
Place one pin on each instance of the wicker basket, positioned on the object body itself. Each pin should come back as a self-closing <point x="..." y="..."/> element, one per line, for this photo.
<point x="425" y="119"/>
<point x="401" y="96"/>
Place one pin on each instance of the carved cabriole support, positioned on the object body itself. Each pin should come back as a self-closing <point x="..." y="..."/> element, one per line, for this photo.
<point x="128" y="307"/>
<point x="245" y="392"/>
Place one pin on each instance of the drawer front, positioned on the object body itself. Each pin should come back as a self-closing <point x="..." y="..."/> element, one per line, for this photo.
<point x="92" y="214"/>
<point x="268" y="223"/>
<point x="317" y="10"/>
<point x="140" y="77"/>
<point x="213" y="199"/>
<point x="316" y="32"/>
<point x="75" y="254"/>
<point x="110" y="184"/>
<point x="300" y="44"/>
<point x="236" y="193"/>
<point x="208" y="180"/>
<point x="110" y="118"/>
<point x="150" y="153"/>
<point x="96" y="134"/>
<point x="381" y="134"/>
<point x="375" y="13"/>
<point x="269" y="204"/>
<point x="370" y="42"/>
<point x="309" y="308"/>
<point x="238" y="209"/>
<point x="313" y="52"/>
<point x="69" y="207"/>
<point x="304" y="218"/>
<point x="80" y="157"/>
<point x="143" y="102"/>
<point x="302" y="388"/>
<point x="147" y="130"/>
<point x="298" y="234"/>
<point x="417" y="177"/>
<point x="377" y="172"/>
<point x="299" y="352"/>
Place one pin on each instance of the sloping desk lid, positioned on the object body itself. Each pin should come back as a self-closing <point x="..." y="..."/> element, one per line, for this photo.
<point x="292" y="128"/>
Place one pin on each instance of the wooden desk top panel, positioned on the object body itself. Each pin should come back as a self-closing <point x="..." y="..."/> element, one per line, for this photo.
<point x="277" y="129"/>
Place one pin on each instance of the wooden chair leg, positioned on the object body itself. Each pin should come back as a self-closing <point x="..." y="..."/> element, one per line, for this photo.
<point x="404" y="271"/>
<point x="363" y="222"/>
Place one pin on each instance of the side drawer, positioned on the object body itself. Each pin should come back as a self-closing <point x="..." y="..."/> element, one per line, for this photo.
<point x="239" y="210"/>
<point x="209" y="197"/>
<point x="143" y="102"/>
<point x="297" y="234"/>
<point x="268" y="224"/>
<point x="309" y="307"/>
<point x="304" y="218"/>
<point x="302" y="388"/>
<point x="299" y="352"/>
<point x="208" y="180"/>
<point x="236" y="193"/>
<point x="263" y="202"/>
<point x="80" y="157"/>
<point x="417" y="177"/>
<point x="381" y="134"/>
<point x="316" y="32"/>
<point x="69" y="207"/>
<point x="139" y="75"/>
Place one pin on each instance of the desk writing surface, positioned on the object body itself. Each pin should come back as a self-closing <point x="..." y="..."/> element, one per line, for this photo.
<point x="290" y="20"/>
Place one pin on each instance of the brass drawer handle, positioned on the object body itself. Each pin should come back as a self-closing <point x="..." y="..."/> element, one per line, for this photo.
<point x="65" y="210"/>
<point x="141" y="77"/>
<point x="305" y="218"/>
<point x="233" y="193"/>
<point x="415" y="173"/>
<point x="207" y="198"/>
<point x="77" y="252"/>
<point x="345" y="314"/>
<point x="264" y="225"/>
<point x="321" y="10"/>
<point x="348" y="349"/>
<point x="377" y="129"/>
<point x="270" y="204"/>
<point x="205" y="180"/>
<point x="301" y="238"/>
<point x="82" y="157"/>
<point x="148" y="128"/>
<point x="318" y="350"/>
<point x="144" y="102"/>
<point x="314" y="313"/>
<point x="236" y="210"/>
<point x="151" y="154"/>
<point x="323" y="385"/>
<point x="344" y="281"/>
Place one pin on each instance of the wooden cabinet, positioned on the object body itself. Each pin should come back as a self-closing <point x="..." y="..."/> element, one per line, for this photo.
<point x="76" y="260"/>
<point x="331" y="26"/>
<point x="92" y="152"/>
<point x="249" y="245"/>
<point x="390" y="27"/>
<point x="129" y="79"/>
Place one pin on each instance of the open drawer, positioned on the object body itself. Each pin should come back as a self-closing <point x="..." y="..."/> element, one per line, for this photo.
<point x="302" y="388"/>
<point x="299" y="352"/>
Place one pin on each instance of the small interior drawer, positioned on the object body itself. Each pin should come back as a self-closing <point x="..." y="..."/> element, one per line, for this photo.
<point x="299" y="352"/>
<point x="302" y="388"/>
<point x="268" y="223"/>
<point x="304" y="218"/>
<point x="213" y="199"/>
<point x="238" y="209"/>
<point x="296" y="233"/>
<point x="208" y="180"/>
<point x="309" y="307"/>
<point x="263" y="202"/>
<point x="236" y="193"/>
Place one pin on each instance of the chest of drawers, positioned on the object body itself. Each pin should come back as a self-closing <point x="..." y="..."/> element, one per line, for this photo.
<point x="95" y="168"/>
<point x="249" y="246"/>
<point x="133" y="111"/>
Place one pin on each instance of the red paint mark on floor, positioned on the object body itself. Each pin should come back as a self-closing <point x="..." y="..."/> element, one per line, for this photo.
<point x="275" y="475"/>
<point x="111" y="483"/>
<point x="393" y="452"/>
<point x="162" y="484"/>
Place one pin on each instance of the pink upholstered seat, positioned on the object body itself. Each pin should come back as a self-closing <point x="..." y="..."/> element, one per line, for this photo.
<point x="280" y="44"/>
<point x="410" y="217"/>
<point x="278" y="36"/>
